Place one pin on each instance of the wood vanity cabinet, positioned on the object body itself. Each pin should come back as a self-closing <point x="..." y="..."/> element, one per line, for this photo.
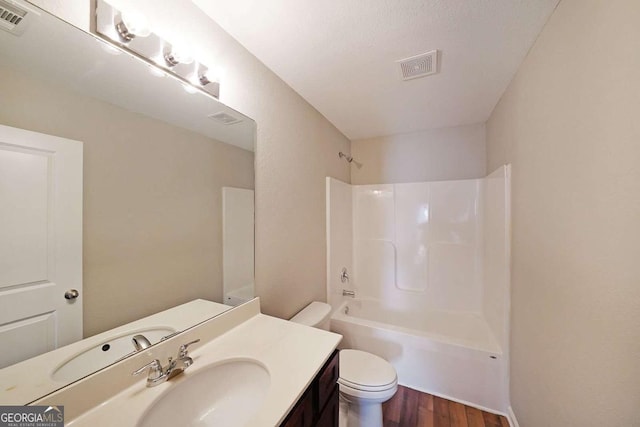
<point x="318" y="406"/>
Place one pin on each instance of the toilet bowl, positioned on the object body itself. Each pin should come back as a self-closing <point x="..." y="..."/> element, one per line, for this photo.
<point x="366" y="380"/>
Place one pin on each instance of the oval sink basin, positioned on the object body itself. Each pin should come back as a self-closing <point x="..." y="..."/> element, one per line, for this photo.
<point x="105" y="353"/>
<point x="227" y="394"/>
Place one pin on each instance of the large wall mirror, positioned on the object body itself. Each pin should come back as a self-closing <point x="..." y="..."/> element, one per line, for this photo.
<point x="166" y="199"/>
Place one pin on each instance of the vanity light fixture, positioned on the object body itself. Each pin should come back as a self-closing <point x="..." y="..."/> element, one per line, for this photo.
<point x="176" y="56"/>
<point x="208" y="76"/>
<point x="203" y="80"/>
<point x="130" y="32"/>
<point x="171" y="59"/>
<point x="132" y="25"/>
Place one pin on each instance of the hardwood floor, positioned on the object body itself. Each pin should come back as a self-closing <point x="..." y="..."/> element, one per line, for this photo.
<point x="410" y="408"/>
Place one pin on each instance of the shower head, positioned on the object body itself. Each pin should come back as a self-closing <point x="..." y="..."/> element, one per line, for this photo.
<point x="347" y="157"/>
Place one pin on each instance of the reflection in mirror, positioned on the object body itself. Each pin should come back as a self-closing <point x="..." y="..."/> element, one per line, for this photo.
<point x="125" y="209"/>
<point x="237" y="244"/>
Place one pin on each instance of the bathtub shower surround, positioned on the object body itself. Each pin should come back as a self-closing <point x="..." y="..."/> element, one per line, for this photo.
<point x="238" y="212"/>
<point x="429" y="265"/>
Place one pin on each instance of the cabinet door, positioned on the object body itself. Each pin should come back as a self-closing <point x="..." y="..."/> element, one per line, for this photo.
<point x="302" y="414"/>
<point x="330" y="414"/>
<point x="327" y="380"/>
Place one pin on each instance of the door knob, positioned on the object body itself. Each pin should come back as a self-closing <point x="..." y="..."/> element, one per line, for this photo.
<point x="71" y="294"/>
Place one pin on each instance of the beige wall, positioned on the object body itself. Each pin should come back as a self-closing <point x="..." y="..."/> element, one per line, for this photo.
<point x="152" y="200"/>
<point x="296" y="149"/>
<point x="569" y="125"/>
<point x="433" y="155"/>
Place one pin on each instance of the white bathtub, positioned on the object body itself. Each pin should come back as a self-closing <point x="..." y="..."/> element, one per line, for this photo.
<point x="453" y="355"/>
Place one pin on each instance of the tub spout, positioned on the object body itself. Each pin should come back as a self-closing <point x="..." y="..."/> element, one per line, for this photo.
<point x="348" y="293"/>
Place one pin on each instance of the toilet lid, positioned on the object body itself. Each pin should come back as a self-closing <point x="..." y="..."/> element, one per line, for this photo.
<point x="366" y="371"/>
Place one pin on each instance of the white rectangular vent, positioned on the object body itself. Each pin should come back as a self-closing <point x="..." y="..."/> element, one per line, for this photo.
<point x="10" y="17"/>
<point x="225" y="118"/>
<point x="421" y="65"/>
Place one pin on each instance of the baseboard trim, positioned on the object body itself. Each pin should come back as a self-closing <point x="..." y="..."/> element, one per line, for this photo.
<point x="511" y="416"/>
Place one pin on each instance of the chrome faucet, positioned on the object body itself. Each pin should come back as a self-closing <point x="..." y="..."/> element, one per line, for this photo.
<point x="182" y="362"/>
<point x="156" y="375"/>
<point x="344" y="275"/>
<point x="348" y="293"/>
<point x="140" y="342"/>
<point x="159" y="374"/>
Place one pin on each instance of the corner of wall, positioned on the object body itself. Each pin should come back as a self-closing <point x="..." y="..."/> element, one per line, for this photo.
<point x="513" y="421"/>
<point x="430" y="155"/>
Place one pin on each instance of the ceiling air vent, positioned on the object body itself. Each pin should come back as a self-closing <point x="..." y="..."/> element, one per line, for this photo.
<point x="421" y="65"/>
<point x="225" y="118"/>
<point x="10" y="17"/>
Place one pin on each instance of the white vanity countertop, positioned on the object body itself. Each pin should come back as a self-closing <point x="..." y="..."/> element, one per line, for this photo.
<point x="292" y="353"/>
<point x="28" y="380"/>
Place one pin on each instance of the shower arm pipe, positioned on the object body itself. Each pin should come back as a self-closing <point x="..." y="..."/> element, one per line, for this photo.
<point x="347" y="157"/>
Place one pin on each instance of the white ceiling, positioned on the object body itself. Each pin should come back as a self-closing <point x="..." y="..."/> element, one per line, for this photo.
<point x="340" y="55"/>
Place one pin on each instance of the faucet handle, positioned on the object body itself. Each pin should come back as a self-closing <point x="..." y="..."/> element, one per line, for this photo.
<point x="155" y="369"/>
<point x="182" y="352"/>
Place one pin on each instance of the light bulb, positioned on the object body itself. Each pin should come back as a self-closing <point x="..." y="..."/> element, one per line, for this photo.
<point x="210" y="75"/>
<point x="182" y="56"/>
<point x="177" y="56"/>
<point x="195" y="79"/>
<point x="213" y="75"/>
<point x="136" y="23"/>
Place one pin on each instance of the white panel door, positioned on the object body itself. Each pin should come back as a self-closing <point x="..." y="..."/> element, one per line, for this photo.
<point x="40" y="243"/>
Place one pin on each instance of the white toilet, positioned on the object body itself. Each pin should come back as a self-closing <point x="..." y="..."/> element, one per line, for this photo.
<point x="366" y="380"/>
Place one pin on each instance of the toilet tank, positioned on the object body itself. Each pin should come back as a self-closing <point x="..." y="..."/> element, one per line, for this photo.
<point x="317" y="314"/>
